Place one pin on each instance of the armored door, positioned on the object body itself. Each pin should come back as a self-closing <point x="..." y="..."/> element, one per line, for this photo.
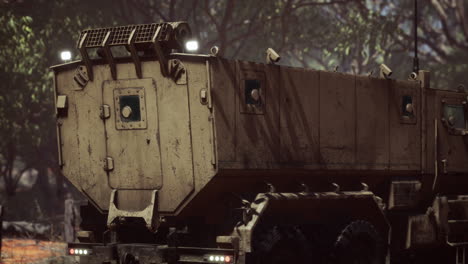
<point x="133" y="156"/>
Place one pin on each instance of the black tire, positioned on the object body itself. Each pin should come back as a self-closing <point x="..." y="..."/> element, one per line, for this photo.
<point x="278" y="245"/>
<point x="359" y="243"/>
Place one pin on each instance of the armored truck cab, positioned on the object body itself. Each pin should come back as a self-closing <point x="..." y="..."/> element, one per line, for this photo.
<point x="218" y="158"/>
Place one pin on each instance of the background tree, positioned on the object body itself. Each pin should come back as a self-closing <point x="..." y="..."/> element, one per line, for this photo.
<point x="22" y="99"/>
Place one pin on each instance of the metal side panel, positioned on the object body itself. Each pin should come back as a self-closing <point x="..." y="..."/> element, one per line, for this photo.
<point x="299" y="107"/>
<point x="405" y="127"/>
<point x="372" y="133"/>
<point x="337" y="120"/>
<point x="203" y="126"/>
<point x="257" y="121"/>
<point x="132" y="132"/>
<point x="224" y="93"/>
<point x="452" y="113"/>
<point x="82" y="136"/>
<point x="175" y="139"/>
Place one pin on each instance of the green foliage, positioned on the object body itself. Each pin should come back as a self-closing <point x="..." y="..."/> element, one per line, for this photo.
<point x="20" y="55"/>
<point x="25" y="98"/>
<point x="31" y="43"/>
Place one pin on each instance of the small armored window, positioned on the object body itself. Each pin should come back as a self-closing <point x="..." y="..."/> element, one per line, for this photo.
<point x="252" y="92"/>
<point x="455" y="116"/>
<point x="407" y="106"/>
<point x="129" y="108"/>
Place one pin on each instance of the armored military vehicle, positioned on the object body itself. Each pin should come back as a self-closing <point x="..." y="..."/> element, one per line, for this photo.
<point x="193" y="158"/>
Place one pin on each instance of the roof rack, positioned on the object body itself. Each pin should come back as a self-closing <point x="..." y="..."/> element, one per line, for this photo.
<point x="159" y="37"/>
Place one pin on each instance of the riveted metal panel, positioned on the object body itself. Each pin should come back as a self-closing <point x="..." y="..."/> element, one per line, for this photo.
<point x="82" y="136"/>
<point x="138" y="94"/>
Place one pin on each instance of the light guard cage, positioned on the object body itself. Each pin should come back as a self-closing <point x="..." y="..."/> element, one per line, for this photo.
<point x="160" y="38"/>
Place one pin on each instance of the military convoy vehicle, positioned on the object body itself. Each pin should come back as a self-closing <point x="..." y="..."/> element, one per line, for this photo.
<point x="193" y="158"/>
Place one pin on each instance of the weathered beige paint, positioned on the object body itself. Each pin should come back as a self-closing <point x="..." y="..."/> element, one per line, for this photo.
<point x="311" y="122"/>
<point x="158" y="157"/>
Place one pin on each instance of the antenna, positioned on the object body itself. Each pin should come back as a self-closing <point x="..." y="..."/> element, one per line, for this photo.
<point x="415" y="59"/>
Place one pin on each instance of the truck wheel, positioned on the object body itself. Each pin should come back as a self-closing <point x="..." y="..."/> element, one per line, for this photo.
<point x="277" y="245"/>
<point x="359" y="243"/>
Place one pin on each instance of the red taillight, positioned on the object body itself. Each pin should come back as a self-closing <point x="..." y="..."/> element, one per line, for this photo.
<point x="72" y="251"/>
<point x="227" y="259"/>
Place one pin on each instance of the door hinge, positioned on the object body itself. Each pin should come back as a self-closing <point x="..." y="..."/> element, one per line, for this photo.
<point x="444" y="165"/>
<point x="104" y="112"/>
<point x="108" y="164"/>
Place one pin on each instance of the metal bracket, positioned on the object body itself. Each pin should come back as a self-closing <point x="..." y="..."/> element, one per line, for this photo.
<point x="81" y="77"/>
<point x="108" y="54"/>
<point x="177" y="71"/>
<point x="85" y="56"/>
<point x="157" y="48"/>
<point x="161" y="37"/>
<point x="244" y="232"/>
<point x="149" y="214"/>
<point x="134" y="53"/>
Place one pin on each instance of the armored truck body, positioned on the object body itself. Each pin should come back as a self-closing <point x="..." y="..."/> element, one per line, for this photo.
<point x="189" y="158"/>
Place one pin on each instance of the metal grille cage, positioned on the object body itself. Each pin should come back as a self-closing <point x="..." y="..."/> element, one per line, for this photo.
<point x="119" y="35"/>
<point x="171" y="35"/>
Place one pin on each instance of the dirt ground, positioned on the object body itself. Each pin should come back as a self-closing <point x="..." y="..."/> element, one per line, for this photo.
<point x="29" y="251"/>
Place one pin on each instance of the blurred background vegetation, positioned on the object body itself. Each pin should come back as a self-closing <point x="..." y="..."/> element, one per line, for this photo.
<point x="356" y="35"/>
